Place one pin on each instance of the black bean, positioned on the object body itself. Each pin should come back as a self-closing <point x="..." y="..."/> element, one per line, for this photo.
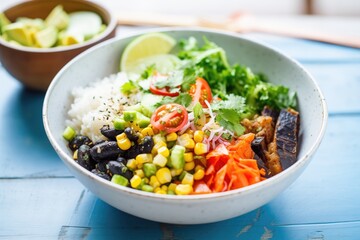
<point x="102" y="166"/>
<point x="84" y="158"/>
<point x="131" y="134"/>
<point x="122" y="159"/>
<point x="101" y="174"/>
<point x="99" y="141"/>
<point x="107" y="150"/>
<point x="115" y="167"/>
<point x="79" y="140"/>
<point x="110" y="132"/>
<point x="146" y="145"/>
<point x="132" y="152"/>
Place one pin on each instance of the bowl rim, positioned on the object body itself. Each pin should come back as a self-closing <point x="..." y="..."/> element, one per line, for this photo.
<point x="111" y="26"/>
<point x="195" y="197"/>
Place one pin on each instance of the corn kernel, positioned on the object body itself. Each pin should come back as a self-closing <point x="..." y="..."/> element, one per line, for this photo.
<point x="135" y="181"/>
<point x="131" y="164"/>
<point x="154" y="182"/>
<point x="176" y="172"/>
<point x="190" y="132"/>
<point x="141" y="136"/>
<point x="171" y="137"/>
<point x="183" y="189"/>
<point x="188" y="179"/>
<point x="160" y="160"/>
<point x="160" y="191"/>
<point x="124" y="144"/>
<point x="143" y="158"/>
<point x="198" y="136"/>
<point x="199" y="167"/>
<point x="148" y="131"/>
<point x="164" y="187"/>
<point x="135" y="126"/>
<point x="158" y="137"/>
<point x="172" y="187"/>
<point x="121" y="136"/>
<point x="200" y="148"/>
<point x="189" y="166"/>
<point x="188" y="157"/>
<point x="199" y="174"/>
<point x="163" y="175"/>
<point x="75" y="154"/>
<point x="156" y="147"/>
<point x="140" y="173"/>
<point x="185" y="141"/>
<point x="164" y="151"/>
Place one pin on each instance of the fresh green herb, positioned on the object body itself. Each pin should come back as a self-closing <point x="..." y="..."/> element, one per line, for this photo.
<point x="183" y="78"/>
<point x="128" y="87"/>
<point x="209" y="62"/>
<point x="198" y="112"/>
<point x="183" y="99"/>
<point x="230" y="120"/>
<point x="230" y="112"/>
<point x="149" y="71"/>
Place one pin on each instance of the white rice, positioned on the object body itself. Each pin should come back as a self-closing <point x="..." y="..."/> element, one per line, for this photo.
<point x="97" y="104"/>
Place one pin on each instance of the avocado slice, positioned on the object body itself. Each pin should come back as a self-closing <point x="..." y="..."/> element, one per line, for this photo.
<point x="18" y="32"/>
<point x="58" y="18"/>
<point x="46" y="38"/>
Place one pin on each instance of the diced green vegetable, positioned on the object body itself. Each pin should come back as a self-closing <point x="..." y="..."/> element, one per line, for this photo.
<point x="149" y="169"/>
<point x="177" y="157"/>
<point x="120" y="123"/>
<point x="130" y="116"/>
<point x="142" y="120"/>
<point x="147" y="188"/>
<point x="69" y="133"/>
<point x="118" y="179"/>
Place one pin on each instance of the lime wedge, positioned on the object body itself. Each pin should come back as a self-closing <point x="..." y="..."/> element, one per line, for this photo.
<point x="46" y="38"/>
<point x="57" y="18"/>
<point x="18" y="32"/>
<point x="163" y="63"/>
<point x="143" y="48"/>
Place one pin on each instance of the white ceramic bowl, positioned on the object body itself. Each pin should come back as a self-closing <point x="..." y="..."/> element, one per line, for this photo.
<point x="103" y="60"/>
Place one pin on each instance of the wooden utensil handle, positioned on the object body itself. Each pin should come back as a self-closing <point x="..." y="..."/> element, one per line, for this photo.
<point x="158" y="19"/>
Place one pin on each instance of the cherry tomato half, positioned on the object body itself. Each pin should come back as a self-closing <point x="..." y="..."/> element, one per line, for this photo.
<point x="161" y="91"/>
<point x="169" y="117"/>
<point x="200" y="92"/>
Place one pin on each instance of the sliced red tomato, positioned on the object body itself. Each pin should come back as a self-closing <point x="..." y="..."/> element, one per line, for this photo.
<point x="169" y="117"/>
<point x="200" y="92"/>
<point x="161" y="91"/>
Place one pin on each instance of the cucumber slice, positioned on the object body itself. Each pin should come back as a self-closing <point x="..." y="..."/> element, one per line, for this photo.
<point x="177" y="160"/>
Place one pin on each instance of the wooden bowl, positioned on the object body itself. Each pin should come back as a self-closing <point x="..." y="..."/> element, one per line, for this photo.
<point x="35" y="67"/>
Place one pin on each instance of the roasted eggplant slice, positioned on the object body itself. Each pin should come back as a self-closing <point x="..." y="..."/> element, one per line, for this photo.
<point x="258" y="145"/>
<point x="274" y="114"/>
<point x="286" y="137"/>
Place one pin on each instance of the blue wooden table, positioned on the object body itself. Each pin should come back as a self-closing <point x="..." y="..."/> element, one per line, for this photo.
<point x="40" y="199"/>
